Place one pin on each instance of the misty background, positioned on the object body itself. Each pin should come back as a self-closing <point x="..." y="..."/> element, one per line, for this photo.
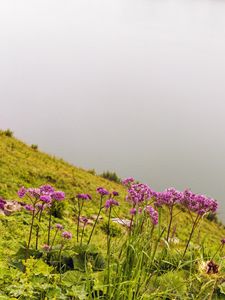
<point x="131" y="86"/>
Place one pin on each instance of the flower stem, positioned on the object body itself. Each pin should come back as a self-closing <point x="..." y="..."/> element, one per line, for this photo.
<point x="49" y="226"/>
<point x="30" y="234"/>
<point x="80" y="206"/>
<point x="38" y="227"/>
<point x="60" y="260"/>
<point x="82" y="235"/>
<point x="96" y="220"/>
<point x="219" y="248"/>
<point x="191" y="234"/>
<point x="54" y="238"/>
<point x="108" y="251"/>
<point x="170" y="223"/>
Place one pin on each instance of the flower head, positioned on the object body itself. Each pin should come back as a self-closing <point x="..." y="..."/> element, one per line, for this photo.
<point x="110" y="203"/>
<point x="138" y="193"/>
<point x="84" y="220"/>
<point x="58" y="195"/>
<point x="29" y="207"/>
<point x="115" y="193"/>
<point x="58" y="226"/>
<point x="2" y="203"/>
<point x="47" y="189"/>
<point x="46" y="247"/>
<point x="34" y="192"/>
<point x="67" y="235"/>
<point x="198" y="203"/>
<point x="133" y="211"/>
<point x="84" y="196"/>
<point x="169" y="197"/>
<point x="223" y="241"/>
<point x="22" y="192"/>
<point x="153" y="214"/>
<point x="128" y="181"/>
<point x="46" y="198"/>
<point x="102" y="191"/>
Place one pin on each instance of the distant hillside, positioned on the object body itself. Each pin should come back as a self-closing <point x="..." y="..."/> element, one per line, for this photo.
<point x="21" y="165"/>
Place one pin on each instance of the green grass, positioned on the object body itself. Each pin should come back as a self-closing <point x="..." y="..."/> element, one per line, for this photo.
<point x="22" y="165"/>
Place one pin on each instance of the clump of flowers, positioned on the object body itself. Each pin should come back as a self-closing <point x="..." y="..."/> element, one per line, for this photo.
<point x="169" y="198"/>
<point x="138" y="193"/>
<point x="128" y="181"/>
<point x="39" y="199"/>
<point x="67" y="235"/>
<point x="110" y="203"/>
<point x="154" y="216"/>
<point x="81" y="199"/>
<point x="102" y="192"/>
<point x="199" y="204"/>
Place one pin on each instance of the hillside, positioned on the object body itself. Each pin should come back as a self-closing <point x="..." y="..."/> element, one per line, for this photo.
<point x="21" y="165"/>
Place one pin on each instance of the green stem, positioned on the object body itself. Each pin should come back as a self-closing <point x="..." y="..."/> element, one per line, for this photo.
<point x="170" y="223"/>
<point x="96" y="220"/>
<point x="108" y="252"/>
<point x="219" y="248"/>
<point x="82" y="235"/>
<point x="80" y="206"/>
<point x="49" y="226"/>
<point x="38" y="227"/>
<point x="191" y="234"/>
<point x="54" y="238"/>
<point x="60" y="260"/>
<point x="30" y="234"/>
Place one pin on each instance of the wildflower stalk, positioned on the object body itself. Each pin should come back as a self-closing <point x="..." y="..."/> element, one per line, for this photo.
<point x="53" y="241"/>
<point x="38" y="226"/>
<point x="60" y="259"/>
<point x="96" y="220"/>
<point x="170" y="223"/>
<point x="219" y="249"/>
<point x="108" y="251"/>
<point x="30" y="234"/>
<point x="80" y="206"/>
<point x="191" y="234"/>
<point x="49" y="226"/>
<point x="82" y="235"/>
<point x="131" y="222"/>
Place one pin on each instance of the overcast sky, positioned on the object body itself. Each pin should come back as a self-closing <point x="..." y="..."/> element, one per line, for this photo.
<point x="132" y="86"/>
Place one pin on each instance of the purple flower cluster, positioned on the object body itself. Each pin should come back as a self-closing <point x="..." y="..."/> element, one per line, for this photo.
<point x="110" y="203"/>
<point x="29" y="207"/>
<point x="58" y="195"/>
<point x="153" y="214"/>
<point x="102" y="191"/>
<point x="67" y="235"/>
<point x="128" y="181"/>
<point x="45" y="194"/>
<point x="199" y="204"/>
<point x="169" y="197"/>
<point x="84" y="196"/>
<point x="58" y="226"/>
<point x="138" y="193"/>
<point x="115" y="193"/>
<point x="133" y="211"/>
<point x="223" y="241"/>
<point x="84" y="220"/>
<point x="2" y="204"/>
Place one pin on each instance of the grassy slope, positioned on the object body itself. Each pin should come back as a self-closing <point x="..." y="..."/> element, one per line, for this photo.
<point x="21" y="165"/>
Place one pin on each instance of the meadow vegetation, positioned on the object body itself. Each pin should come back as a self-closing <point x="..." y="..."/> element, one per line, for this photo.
<point x="75" y="235"/>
